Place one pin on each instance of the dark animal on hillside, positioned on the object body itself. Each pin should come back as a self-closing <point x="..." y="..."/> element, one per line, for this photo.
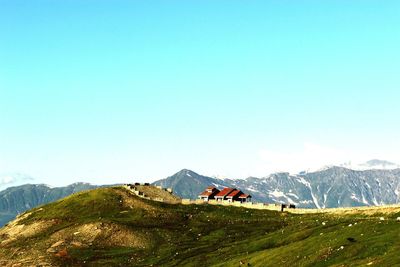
<point x="283" y="206"/>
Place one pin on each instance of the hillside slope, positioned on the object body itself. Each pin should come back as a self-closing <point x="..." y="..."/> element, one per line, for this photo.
<point x="112" y="227"/>
<point x="15" y="200"/>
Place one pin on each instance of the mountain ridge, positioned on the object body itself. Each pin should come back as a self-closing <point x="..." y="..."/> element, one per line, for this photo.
<point x="328" y="188"/>
<point x="332" y="187"/>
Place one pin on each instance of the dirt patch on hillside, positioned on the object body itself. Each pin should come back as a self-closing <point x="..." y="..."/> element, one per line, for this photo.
<point x="32" y="259"/>
<point x="14" y="230"/>
<point x="104" y="234"/>
<point x="130" y="200"/>
<point x="389" y="209"/>
<point x="19" y="255"/>
<point x="371" y="210"/>
<point x="157" y="193"/>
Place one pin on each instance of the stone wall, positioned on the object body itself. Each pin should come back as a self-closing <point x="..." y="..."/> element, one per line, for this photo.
<point x="249" y="205"/>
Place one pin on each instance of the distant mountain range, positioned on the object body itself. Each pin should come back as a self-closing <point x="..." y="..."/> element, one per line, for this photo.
<point x="328" y="188"/>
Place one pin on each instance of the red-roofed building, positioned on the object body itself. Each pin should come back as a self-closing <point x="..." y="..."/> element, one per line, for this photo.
<point x="234" y="195"/>
<point x="244" y="198"/>
<point x="227" y="194"/>
<point x="209" y="193"/>
<point x="224" y="193"/>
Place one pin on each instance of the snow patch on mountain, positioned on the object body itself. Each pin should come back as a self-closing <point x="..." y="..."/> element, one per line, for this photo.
<point x="220" y="186"/>
<point x="252" y="189"/>
<point x="293" y="195"/>
<point x="353" y="196"/>
<point x="364" y="199"/>
<point x="303" y="181"/>
<point x="277" y="193"/>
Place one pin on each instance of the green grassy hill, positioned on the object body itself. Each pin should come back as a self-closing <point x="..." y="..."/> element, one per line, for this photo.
<point x="112" y="227"/>
<point x="15" y="200"/>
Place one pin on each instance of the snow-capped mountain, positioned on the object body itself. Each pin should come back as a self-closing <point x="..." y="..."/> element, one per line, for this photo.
<point x="328" y="188"/>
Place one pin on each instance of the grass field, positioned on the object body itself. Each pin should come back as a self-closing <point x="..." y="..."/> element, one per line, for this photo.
<point x="111" y="227"/>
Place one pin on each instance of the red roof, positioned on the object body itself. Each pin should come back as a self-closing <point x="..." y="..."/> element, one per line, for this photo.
<point x="234" y="193"/>
<point x="225" y="192"/>
<point x="208" y="193"/>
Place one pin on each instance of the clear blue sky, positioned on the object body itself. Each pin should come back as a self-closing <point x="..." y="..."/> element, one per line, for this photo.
<point x="103" y="91"/>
